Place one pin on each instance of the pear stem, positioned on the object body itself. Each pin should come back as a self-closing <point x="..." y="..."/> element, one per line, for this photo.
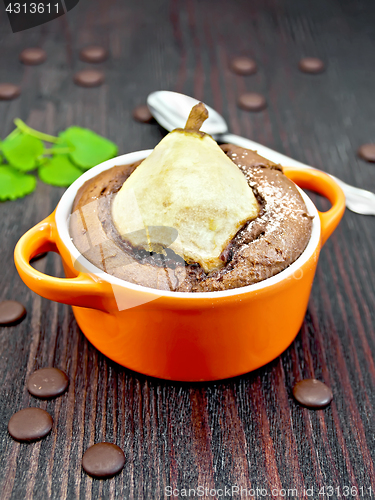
<point x="196" y="118"/>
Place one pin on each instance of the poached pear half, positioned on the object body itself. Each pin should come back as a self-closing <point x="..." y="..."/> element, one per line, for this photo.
<point x="190" y="185"/>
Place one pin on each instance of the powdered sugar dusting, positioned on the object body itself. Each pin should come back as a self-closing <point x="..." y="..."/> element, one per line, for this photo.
<point x="272" y="241"/>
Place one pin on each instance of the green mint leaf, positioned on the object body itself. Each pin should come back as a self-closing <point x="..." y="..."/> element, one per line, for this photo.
<point x="15" y="184"/>
<point x="90" y="149"/>
<point x="59" y="171"/>
<point x="22" y="151"/>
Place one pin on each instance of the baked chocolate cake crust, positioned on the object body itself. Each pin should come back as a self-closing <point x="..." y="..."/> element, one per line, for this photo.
<point x="261" y="249"/>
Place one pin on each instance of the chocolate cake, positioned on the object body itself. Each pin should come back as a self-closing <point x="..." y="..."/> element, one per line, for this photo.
<point x="262" y="247"/>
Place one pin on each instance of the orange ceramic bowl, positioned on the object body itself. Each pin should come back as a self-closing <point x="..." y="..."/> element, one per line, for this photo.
<point x="181" y="336"/>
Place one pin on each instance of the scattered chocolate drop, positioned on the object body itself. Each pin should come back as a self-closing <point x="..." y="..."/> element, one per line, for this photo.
<point x="9" y="91"/>
<point x="252" y="102"/>
<point x="30" y="424"/>
<point x="243" y="66"/>
<point x="93" y="54"/>
<point x="312" y="393"/>
<point x="33" y="56"/>
<point x="47" y="383"/>
<point x="142" y="114"/>
<point x="11" y="312"/>
<point x="367" y="152"/>
<point x="311" y="65"/>
<point x="89" y="78"/>
<point x="103" y="460"/>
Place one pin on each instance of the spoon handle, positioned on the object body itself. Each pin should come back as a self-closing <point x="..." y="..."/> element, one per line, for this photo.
<point x="358" y="200"/>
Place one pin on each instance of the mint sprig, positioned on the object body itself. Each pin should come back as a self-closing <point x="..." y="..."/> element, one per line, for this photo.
<point x="75" y="150"/>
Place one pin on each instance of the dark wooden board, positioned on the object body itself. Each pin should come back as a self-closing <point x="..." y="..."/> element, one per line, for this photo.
<point x="248" y="431"/>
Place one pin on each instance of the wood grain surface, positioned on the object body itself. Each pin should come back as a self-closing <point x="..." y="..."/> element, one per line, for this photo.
<point x="248" y="431"/>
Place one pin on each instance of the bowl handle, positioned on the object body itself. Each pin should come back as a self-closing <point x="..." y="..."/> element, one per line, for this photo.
<point x="81" y="291"/>
<point x="322" y="183"/>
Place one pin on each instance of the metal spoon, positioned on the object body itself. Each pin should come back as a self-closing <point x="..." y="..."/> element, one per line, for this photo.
<point x="171" y="111"/>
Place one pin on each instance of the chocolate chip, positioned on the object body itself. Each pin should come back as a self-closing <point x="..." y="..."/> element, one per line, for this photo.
<point x="311" y="65"/>
<point x="11" y="312"/>
<point x="93" y="54"/>
<point x="33" y="56"/>
<point x="47" y="383"/>
<point x="367" y="152"/>
<point x="252" y="102"/>
<point x="103" y="460"/>
<point x="9" y="91"/>
<point x="30" y="424"/>
<point x="243" y="66"/>
<point x="142" y="114"/>
<point x="312" y="393"/>
<point x="89" y="78"/>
